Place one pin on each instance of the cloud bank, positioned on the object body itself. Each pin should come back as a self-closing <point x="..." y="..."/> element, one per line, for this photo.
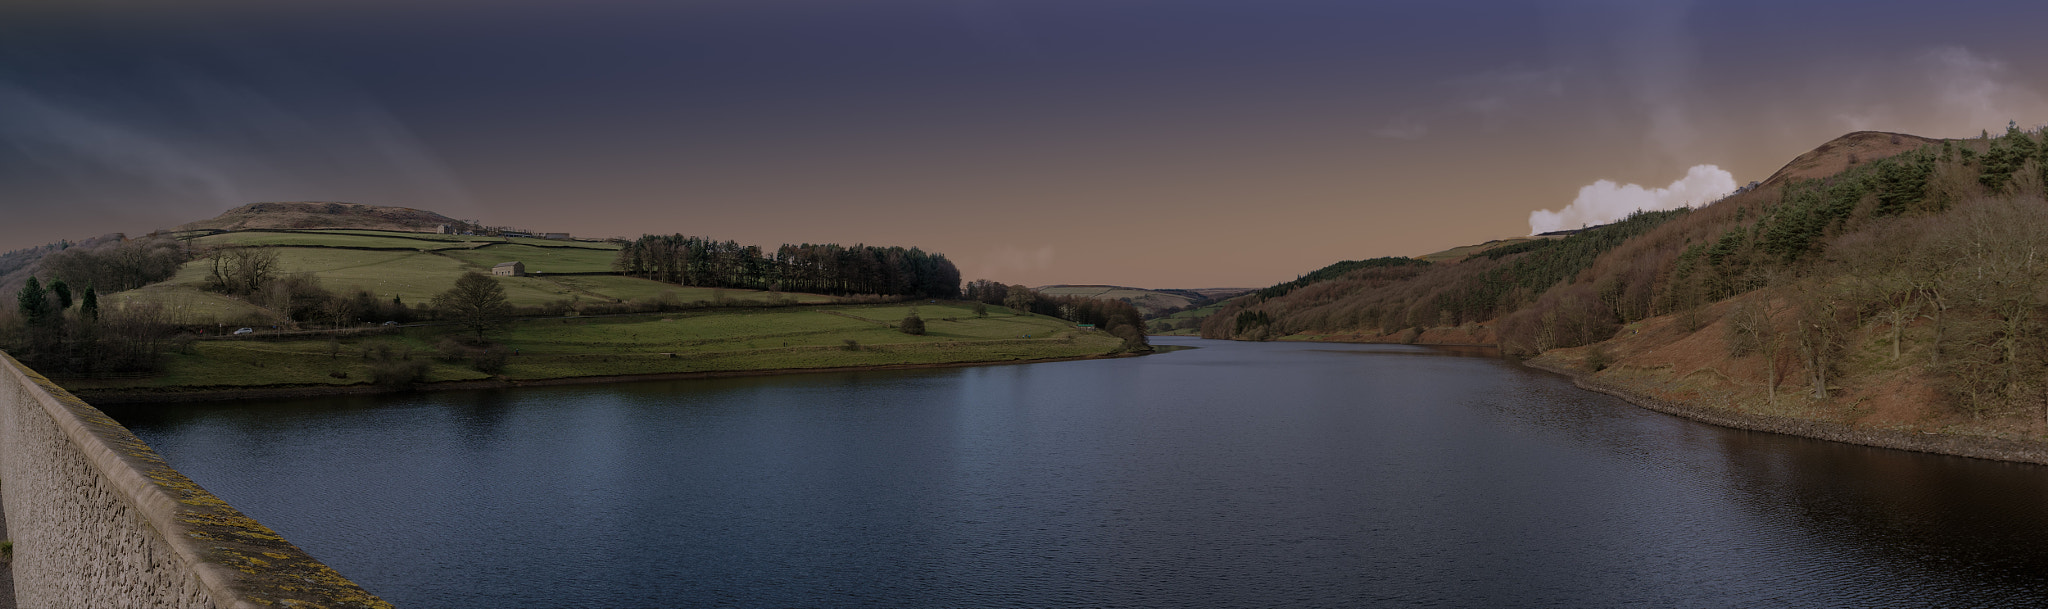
<point x="1604" y="201"/>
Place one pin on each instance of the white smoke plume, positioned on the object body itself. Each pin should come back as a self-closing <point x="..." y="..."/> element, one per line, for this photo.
<point x="1604" y="201"/>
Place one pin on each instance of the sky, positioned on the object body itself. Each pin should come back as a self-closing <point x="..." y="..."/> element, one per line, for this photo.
<point x="1149" y="143"/>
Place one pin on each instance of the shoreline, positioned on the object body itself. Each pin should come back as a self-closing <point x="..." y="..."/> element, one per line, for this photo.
<point x="1974" y="447"/>
<point x="172" y="396"/>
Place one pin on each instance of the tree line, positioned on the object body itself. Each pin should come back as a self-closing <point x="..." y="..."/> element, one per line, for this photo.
<point x="815" y="268"/>
<point x="57" y="323"/>
<point x="57" y="330"/>
<point x="1117" y="317"/>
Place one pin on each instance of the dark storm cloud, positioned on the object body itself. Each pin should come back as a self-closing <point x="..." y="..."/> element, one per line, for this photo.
<point x="118" y="124"/>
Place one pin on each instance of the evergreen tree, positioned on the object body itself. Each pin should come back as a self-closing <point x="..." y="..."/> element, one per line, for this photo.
<point x="33" y="303"/>
<point x="62" y="293"/>
<point x="89" y="305"/>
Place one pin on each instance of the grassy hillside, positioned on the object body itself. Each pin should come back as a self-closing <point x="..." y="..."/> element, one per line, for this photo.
<point x="415" y="268"/>
<point x="317" y="296"/>
<point x="1147" y="301"/>
<point x="540" y="259"/>
<point x="697" y="341"/>
<point x="1185" y="323"/>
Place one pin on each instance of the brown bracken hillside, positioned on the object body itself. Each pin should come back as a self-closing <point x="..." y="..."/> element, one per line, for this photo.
<point x="1838" y="154"/>
<point x="1881" y="288"/>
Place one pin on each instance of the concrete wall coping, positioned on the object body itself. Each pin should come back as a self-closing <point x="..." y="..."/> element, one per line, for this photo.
<point x="241" y="563"/>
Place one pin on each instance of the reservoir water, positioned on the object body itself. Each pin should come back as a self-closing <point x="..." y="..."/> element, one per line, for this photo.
<point x="1234" y="475"/>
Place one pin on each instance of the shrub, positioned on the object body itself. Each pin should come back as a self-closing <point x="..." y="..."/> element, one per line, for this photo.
<point x="491" y="361"/>
<point x="397" y="372"/>
<point x="451" y="350"/>
<point x="1599" y="359"/>
<point x="912" y="324"/>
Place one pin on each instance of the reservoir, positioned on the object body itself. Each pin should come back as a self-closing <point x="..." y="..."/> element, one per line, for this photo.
<point x="1232" y="475"/>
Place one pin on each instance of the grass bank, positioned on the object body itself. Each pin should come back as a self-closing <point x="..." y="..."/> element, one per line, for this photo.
<point x="713" y="341"/>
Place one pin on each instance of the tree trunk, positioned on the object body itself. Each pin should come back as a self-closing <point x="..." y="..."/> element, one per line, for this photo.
<point x="1899" y="318"/>
<point x="1771" y="375"/>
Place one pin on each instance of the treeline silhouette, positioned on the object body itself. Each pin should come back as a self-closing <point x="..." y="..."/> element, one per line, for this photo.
<point x="822" y="269"/>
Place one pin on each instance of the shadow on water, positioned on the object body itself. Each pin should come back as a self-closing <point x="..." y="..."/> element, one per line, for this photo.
<point x="1963" y="527"/>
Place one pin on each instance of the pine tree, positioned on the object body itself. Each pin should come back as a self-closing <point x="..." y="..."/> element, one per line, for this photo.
<point x="62" y="292"/>
<point x="33" y="303"/>
<point x="89" y="305"/>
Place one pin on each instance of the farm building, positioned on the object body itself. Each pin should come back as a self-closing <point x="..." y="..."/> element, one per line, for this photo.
<point x="509" y="269"/>
<point x="555" y="236"/>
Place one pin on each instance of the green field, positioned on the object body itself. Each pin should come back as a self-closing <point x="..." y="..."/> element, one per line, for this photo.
<point x="403" y="235"/>
<point x="417" y="276"/>
<point x="619" y="287"/>
<point x="697" y="341"/>
<point x="1197" y="313"/>
<point x="540" y="259"/>
<point x="414" y="276"/>
<point x="595" y="245"/>
<point x="191" y="305"/>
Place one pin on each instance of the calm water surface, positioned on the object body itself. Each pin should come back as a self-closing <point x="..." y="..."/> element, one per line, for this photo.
<point x="1235" y="475"/>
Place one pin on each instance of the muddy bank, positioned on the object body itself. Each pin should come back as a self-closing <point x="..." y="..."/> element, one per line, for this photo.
<point x="1978" y="447"/>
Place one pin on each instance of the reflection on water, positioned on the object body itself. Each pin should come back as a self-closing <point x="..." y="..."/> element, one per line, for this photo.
<point x="1238" y="474"/>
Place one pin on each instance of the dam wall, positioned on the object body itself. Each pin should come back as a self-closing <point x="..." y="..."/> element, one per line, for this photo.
<point x="98" y="519"/>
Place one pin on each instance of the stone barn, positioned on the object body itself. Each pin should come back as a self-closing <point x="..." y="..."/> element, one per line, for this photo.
<point x="509" y="269"/>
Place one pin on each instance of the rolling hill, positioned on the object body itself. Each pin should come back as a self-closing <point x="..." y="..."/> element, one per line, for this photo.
<point x="322" y="214"/>
<point x="1149" y="302"/>
<point x="1839" y="154"/>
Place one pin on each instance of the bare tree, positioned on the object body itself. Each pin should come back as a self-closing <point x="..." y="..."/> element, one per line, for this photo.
<point x="476" y="302"/>
<point x="242" y="270"/>
<point x="1998" y="250"/>
<point x="1819" y="330"/>
<point x="1752" y="328"/>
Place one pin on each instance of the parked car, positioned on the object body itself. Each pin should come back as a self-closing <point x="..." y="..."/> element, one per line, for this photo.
<point x="391" y="323"/>
<point x="245" y="331"/>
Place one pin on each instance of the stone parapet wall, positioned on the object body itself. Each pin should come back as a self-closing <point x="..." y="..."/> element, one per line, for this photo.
<point x="99" y="520"/>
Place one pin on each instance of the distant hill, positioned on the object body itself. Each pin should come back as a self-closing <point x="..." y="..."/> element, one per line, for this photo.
<point x="1463" y="251"/>
<point x="1149" y="302"/>
<point x="1838" y="154"/>
<point x="323" y="214"/>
